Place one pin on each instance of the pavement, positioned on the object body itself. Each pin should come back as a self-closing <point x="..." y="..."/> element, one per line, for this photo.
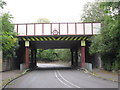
<point x="7" y="76"/>
<point x="106" y="74"/>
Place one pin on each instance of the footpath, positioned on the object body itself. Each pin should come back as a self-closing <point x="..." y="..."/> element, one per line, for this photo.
<point x="106" y="75"/>
<point x="7" y="76"/>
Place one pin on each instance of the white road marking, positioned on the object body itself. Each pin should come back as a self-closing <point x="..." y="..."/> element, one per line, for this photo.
<point x="68" y="81"/>
<point x="62" y="81"/>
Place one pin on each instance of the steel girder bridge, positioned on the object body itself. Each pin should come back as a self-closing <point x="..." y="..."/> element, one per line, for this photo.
<point x="74" y="36"/>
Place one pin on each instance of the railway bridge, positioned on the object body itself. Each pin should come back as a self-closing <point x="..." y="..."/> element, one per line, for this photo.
<point x="73" y="36"/>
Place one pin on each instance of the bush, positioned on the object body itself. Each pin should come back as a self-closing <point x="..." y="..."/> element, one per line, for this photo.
<point x="116" y="65"/>
<point x="110" y="63"/>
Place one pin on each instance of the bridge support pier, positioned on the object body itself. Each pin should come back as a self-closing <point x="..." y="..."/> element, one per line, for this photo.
<point x="35" y="63"/>
<point x="32" y="58"/>
<point x="27" y="58"/>
<point x="76" y="59"/>
<point x="83" y="53"/>
<point x="72" y="61"/>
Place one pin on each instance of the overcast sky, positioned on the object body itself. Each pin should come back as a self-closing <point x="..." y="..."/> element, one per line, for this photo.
<point x="28" y="11"/>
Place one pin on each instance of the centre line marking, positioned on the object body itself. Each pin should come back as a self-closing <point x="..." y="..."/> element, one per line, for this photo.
<point x="62" y="81"/>
<point x="67" y="80"/>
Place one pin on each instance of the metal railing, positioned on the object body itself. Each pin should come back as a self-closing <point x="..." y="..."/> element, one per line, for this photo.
<point x="40" y="29"/>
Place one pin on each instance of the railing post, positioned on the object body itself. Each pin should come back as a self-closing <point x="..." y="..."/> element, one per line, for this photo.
<point x="84" y="28"/>
<point x="34" y="29"/>
<point x="17" y="29"/>
<point x="75" y="28"/>
<point x="92" y="28"/>
<point x="51" y="28"/>
<point x="26" y="29"/>
<point x="59" y="28"/>
<point x="42" y="29"/>
<point x="67" y="29"/>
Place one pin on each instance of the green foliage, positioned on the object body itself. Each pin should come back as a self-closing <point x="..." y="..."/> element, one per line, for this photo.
<point x="9" y="42"/>
<point x="92" y="12"/>
<point x="63" y="54"/>
<point x="107" y="43"/>
<point x="39" y="52"/>
<point x="54" y="55"/>
<point x="48" y="54"/>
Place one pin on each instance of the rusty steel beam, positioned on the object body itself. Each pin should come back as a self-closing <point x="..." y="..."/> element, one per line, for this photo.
<point x="83" y="56"/>
<point x="27" y="57"/>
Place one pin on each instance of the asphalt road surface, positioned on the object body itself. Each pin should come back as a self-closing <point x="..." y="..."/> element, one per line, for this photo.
<point x="68" y="78"/>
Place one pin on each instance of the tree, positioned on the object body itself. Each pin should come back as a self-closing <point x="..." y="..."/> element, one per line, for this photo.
<point x="48" y="55"/>
<point x="2" y="4"/>
<point x="110" y="34"/>
<point x="107" y="43"/>
<point x="9" y="42"/>
<point x="43" y="20"/>
<point x="92" y="12"/>
<point x="63" y="54"/>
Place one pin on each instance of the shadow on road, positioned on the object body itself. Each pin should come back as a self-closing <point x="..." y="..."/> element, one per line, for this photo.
<point x="52" y="67"/>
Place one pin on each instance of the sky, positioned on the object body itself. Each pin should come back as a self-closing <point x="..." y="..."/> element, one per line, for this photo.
<point x="29" y="11"/>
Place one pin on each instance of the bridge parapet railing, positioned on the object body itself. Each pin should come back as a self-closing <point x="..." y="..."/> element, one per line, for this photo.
<point x="40" y="29"/>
